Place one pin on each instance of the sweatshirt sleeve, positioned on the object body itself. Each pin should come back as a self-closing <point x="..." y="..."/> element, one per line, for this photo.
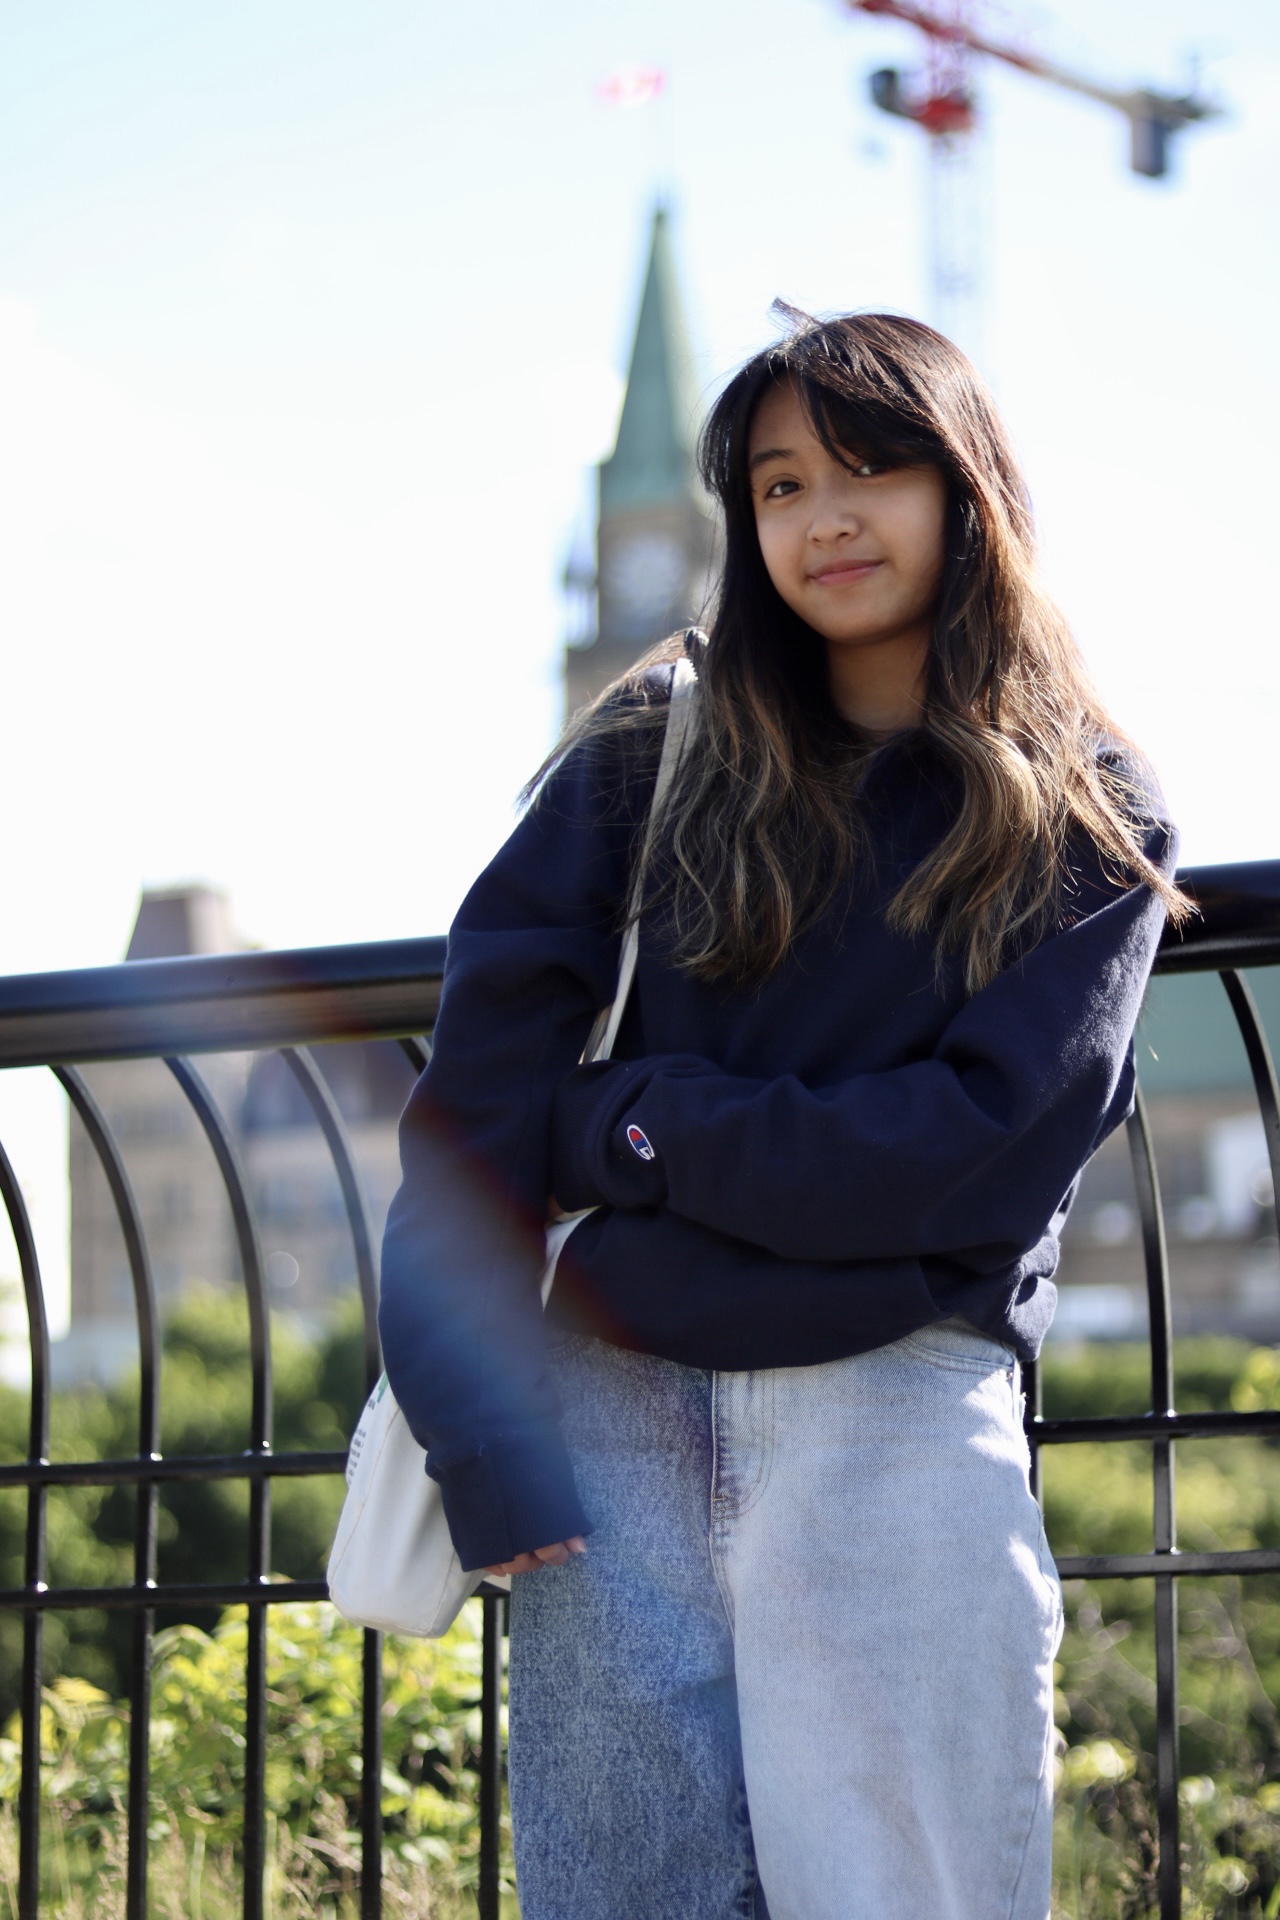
<point x="968" y="1153"/>
<point x="532" y="955"/>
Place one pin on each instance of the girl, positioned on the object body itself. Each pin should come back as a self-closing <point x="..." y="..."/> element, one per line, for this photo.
<point x="899" y="908"/>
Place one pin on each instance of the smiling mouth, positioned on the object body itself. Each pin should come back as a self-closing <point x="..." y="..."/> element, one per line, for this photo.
<point x="851" y="570"/>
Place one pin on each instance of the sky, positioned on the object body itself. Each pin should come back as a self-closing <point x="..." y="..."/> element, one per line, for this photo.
<point x="312" y="319"/>
<point x="312" y="322"/>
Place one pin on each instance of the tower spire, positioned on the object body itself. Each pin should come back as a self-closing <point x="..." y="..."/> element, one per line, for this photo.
<point x="652" y="462"/>
<point x="654" y="536"/>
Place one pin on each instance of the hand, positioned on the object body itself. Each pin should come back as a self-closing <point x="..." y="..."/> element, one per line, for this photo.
<point x="556" y="1556"/>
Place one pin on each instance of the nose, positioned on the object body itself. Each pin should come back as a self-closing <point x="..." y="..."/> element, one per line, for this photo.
<point x="834" y="517"/>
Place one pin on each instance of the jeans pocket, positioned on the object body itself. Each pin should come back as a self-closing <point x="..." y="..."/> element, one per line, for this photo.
<point x="953" y="1343"/>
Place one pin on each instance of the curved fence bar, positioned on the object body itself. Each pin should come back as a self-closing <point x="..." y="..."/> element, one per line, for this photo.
<point x="495" y="1606"/>
<point x="417" y="1052"/>
<point x="1261" y="1066"/>
<point x="144" y="1553"/>
<point x="227" y="1155"/>
<point x="34" y="1557"/>
<point x="1155" y="1256"/>
<point x="1164" y="1518"/>
<point x="219" y="1136"/>
<point x="166" y="1009"/>
<point x="104" y="1145"/>
<point x="331" y="1124"/>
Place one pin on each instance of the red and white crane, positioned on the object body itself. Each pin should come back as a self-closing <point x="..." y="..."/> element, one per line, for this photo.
<point x="942" y="102"/>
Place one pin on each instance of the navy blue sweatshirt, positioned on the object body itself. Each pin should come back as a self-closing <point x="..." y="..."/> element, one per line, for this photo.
<point x="785" y="1173"/>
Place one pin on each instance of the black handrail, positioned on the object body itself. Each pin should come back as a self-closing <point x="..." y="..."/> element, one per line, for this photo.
<point x="1237" y="922"/>
<point x="209" y="1003"/>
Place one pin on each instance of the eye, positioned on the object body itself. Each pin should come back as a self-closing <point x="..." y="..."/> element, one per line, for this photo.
<point x="780" y="488"/>
<point x="869" y="469"/>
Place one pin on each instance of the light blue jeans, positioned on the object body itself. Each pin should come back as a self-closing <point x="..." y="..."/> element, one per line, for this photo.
<point x="805" y="1669"/>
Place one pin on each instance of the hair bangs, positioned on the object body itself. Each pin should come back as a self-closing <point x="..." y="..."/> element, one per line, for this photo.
<point x="856" y="428"/>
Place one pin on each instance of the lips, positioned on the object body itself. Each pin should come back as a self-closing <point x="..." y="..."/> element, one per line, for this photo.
<point x="844" y="570"/>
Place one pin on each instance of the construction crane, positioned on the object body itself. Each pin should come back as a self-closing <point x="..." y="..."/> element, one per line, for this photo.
<point x="943" y="103"/>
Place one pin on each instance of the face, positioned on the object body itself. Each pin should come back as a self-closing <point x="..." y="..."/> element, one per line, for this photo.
<point x="857" y="554"/>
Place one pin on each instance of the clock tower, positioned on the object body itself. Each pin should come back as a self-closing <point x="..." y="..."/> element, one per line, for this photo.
<point x="655" y="531"/>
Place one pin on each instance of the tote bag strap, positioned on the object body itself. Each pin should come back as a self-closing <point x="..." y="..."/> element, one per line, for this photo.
<point x="605" y="1031"/>
<point x="679" y="716"/>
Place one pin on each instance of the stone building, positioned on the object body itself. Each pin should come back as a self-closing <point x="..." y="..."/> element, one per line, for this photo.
<point x="176" y="1183"/>
<point x="655" y="534"/>
<point x="1215" y="1180"/>
<point x="295" y="1192"/>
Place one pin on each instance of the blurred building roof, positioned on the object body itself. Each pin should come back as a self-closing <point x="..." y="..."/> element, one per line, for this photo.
<point x="1188" y="1040"/>
<point x="180" y="920"/>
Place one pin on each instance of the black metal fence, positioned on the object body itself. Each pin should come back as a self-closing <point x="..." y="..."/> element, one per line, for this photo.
<point x="1238" y="927"/>
<point x="171" y="1009"/>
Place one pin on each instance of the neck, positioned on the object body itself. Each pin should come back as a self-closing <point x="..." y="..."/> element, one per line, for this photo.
<point x="879" y="685"/>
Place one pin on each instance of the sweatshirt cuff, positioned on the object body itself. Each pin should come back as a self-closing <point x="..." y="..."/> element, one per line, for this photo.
<point x="600" y="1154"/>
<point x="510" y="1497"/>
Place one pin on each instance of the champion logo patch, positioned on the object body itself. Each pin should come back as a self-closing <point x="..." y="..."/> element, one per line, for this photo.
<point x="639" y="1144"/>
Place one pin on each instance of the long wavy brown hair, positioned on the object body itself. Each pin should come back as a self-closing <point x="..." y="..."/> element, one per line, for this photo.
<point x="765" y="823"/>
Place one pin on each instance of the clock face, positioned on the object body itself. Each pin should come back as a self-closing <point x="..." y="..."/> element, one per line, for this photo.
<point x="646" y="574"/>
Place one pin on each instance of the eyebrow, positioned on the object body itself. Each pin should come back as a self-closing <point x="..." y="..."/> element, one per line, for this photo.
<point x="769" y="453"/>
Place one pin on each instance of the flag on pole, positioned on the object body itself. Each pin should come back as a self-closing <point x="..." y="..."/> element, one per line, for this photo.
<point x="632" y="87"/>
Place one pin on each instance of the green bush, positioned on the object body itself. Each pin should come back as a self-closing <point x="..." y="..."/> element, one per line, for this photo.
<point x="313" y="1776"/>
<point x="202" y="1526"/>
<point x="1098" y="1499"/>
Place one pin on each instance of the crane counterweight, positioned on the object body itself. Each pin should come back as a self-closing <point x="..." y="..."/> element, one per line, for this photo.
<point x="1152" y="115"/>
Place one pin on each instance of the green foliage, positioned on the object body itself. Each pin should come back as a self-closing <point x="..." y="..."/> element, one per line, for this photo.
<point x="313" y="1779"/>
<point x="1098" y="1500"/>
<point x="1089" y="1382"/>
<point x="205" y="1402"/>
<point x="430" y="1719"/>
<point x="202" y="1527"/>
<point x="1258" y="1385"/>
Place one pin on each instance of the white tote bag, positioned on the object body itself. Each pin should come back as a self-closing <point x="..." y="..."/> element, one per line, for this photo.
<point x="393" y="1563"/>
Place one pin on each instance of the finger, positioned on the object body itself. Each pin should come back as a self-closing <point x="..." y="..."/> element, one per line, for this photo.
<point x="556" y="1555"/>
<point x="562" y="1551"/>
<point x="523" y="1563"/>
